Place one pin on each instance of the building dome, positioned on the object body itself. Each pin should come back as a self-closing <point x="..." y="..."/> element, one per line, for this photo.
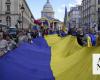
<point x="47" y="7"/>
<point x="47" y="10"/>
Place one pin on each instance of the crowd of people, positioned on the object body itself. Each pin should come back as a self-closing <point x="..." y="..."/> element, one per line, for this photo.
<point x="9" y="42"/>
<point x="86" y="37"/>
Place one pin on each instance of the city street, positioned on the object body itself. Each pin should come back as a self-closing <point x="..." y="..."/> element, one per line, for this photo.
<point x="49" y="40"/>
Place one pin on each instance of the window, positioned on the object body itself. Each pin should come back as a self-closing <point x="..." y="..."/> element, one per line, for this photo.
<point x="99" y="25"/>
<point x="98" y="10"/>
<point x="8" y="8"/>
<point x="98" y="1"/>
<point x="0" y="21"/>
<point x="8" y="2"/>
<point x="8" y="20"/>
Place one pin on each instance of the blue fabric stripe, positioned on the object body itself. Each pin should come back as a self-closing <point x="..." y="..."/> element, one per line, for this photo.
<point x="28" y="62"/>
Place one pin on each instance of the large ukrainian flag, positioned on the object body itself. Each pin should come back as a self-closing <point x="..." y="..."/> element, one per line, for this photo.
<point x="70" y="61"/>
<point x="52" y="58"/>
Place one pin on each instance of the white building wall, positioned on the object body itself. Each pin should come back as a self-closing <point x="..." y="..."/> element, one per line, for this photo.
<point x="15" y="12"/>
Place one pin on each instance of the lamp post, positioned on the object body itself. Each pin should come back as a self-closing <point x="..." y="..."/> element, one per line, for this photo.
<point x="22" y="10"/>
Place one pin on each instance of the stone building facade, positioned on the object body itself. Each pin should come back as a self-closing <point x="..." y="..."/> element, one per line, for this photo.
<point x="11" y="14"/>
<point x="75" y="16"/>
<point x="90" y="13"/>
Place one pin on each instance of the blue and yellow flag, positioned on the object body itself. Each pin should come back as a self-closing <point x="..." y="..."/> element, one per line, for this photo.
<point x="49" y="58"/>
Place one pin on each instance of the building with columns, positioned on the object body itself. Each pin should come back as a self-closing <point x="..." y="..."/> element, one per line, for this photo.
<point x="15" y="13"/>
<point x="47" y="10"/>
<point x="47" y="16"/>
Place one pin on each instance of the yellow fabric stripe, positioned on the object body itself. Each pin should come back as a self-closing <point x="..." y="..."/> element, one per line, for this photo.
<point x="52" y="39"/>
<point x="69" y="61"/>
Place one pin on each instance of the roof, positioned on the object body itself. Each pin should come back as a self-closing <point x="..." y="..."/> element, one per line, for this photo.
<point x="50" y="18"/>
<point x="48" y="7"/>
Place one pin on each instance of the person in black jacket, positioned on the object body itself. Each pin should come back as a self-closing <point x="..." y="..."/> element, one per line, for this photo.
<point x="80" y="36"/>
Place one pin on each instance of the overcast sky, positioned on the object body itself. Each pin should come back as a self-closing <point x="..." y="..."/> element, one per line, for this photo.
<point x="58" y="5"/>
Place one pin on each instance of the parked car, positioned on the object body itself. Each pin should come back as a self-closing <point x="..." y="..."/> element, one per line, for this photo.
<point x="12" y="31"/>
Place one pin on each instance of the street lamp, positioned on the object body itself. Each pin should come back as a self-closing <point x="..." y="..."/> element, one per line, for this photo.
<point x="22" y="10"/>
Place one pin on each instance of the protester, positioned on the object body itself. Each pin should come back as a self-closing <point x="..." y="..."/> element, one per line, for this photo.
<point x="11" y="43"/>
<point x="3" y="44"/>
<point x="98" y="39"/>
<point x="42" y="31"/>
<point x="80" y="37"/>
<point x="22" y="37"/>
<point x="46" y="31"/>
<point x="39" y="34"/>
<point x="34" y="34"/>
<point x="29" y="37"/>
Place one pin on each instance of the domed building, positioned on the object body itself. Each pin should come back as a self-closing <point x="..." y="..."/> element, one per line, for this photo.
<point x="47" y="17"/>
<point x="47" y="10"/>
